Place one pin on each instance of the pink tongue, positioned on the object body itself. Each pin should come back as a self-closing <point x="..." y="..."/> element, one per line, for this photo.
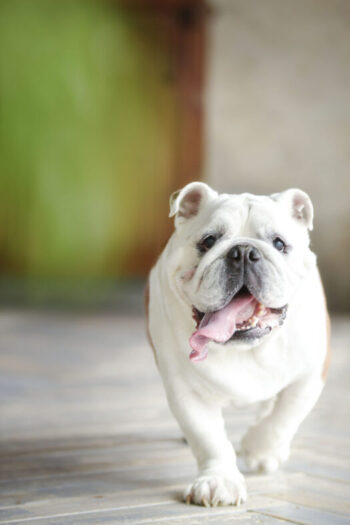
<point x="221" y="325"/>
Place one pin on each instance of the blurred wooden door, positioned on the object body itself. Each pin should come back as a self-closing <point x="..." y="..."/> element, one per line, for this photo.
<point x="177" y="30"/>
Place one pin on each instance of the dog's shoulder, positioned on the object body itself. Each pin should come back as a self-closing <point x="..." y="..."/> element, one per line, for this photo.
<point x="327" y="322"/>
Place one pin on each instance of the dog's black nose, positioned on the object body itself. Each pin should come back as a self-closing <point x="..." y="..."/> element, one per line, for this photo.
<point x="243" y="253"/>
<point x="235" y="253"/>
<point x="253" y="254"/>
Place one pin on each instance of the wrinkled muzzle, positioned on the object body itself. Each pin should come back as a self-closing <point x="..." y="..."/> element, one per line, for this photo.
<point x="243" y="317"/>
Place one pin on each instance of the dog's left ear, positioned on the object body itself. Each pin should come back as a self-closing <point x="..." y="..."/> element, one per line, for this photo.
<point x="187" y="202"/>
<point x="299" y="204"/>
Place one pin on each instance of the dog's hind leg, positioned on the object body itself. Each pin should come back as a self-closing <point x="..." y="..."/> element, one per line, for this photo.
<point x="267" y="444"/>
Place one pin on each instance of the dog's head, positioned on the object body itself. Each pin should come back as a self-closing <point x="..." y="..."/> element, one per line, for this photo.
<point x="238" y="260"/>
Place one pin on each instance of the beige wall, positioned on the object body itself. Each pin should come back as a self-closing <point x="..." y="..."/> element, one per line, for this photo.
<point x="278" y="113"/>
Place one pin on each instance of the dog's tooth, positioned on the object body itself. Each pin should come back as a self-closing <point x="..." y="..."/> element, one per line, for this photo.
<point x="251" y="321"/>
<point x="254" y="321"/>
<point x="261" y="310"/>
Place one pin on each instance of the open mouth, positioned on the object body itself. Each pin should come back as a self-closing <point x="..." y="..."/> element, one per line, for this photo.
<point x="244" y="318"/>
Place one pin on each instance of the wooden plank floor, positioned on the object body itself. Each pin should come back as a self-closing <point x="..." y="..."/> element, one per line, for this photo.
<point x="86" y="435"/>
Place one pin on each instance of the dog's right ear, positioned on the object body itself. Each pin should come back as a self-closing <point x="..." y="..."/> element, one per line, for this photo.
<point x="299" y="205"/>
<point x="187" y="202"/>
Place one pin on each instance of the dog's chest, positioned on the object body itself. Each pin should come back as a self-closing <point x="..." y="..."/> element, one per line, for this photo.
<point x="245" y="377"/>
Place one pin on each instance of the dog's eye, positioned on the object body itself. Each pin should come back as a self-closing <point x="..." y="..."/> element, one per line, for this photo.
<point x="207" y="243"/>
<point x="279" y="244"/>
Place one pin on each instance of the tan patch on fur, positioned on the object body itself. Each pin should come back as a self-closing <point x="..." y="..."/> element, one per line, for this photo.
<point x="146" y="299"/>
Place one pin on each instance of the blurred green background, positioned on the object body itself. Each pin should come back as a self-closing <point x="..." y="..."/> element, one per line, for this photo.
<point x="103" y="108"/>
<point x="87" y="123"/>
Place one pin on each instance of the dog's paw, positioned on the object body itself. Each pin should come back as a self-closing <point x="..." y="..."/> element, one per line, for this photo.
<point x="216" y="490"/>
<point x="263" y="451"/>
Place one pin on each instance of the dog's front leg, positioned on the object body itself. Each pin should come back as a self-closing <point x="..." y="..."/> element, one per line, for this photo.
<point x="267" y="444"/>
<point x="219" y="480"/>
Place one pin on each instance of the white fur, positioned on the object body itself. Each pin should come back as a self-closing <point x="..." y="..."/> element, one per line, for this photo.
<point x="284" y="367"/>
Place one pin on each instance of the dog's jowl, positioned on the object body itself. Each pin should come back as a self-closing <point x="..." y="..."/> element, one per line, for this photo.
<point x="237" y="315"/>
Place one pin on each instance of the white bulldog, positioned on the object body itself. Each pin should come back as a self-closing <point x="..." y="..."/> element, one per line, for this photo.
<point x="237" y="316"/>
